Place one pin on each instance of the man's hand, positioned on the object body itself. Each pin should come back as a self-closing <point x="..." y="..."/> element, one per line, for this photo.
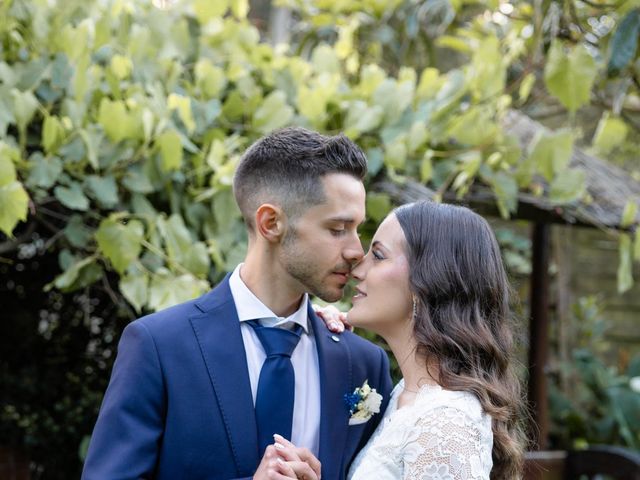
<point x="267" y="470"/>
<point x="285" y="461"/>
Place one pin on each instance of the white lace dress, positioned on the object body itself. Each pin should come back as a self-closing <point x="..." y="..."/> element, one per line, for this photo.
<point x="443" y="435"/>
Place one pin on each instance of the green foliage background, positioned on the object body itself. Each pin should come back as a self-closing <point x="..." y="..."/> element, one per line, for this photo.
<point x="121" y="125"/>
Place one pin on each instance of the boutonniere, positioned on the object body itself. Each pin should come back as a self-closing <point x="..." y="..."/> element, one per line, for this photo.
<point x="363" y="403"/>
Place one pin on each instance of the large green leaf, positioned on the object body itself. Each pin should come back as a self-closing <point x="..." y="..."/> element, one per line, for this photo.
<point x="207" y="10"/>
<point x="625" y="277"/>
<point x="488" y="69"/>
<point x="474" y="127"/>
<point x="625" y="42"/>
<point x="325" y="59"/>
<point x="80" y="274"/>
<point x="395" y="154"/>
<point x="7" y="168"/>
<point x="121" y="66"/>
<point x="104" y="189"/>
<point x="77" y="232"/>
<point x="569" y="75"/>
<point x="52" y="133"/>
<point x="225" y="208"/>
<point x="120" y="243"/>
<point x="183" y="106"/>
<point x="25" y="105"/>
<point x="629" y="214"/>
<point x="506" y="191"/>
<point x="274" y="113"/>
<point x="362" y="118"/>
<point x="135" y="288"/>
<point x="15" y="202"/>
<point x="44" y="170"/>
<point x="117" y="122"/>
<point x="568" y="186"/>
<point x="209" y="78"/>
<point x="7" y="116"/>
<point x="72" y="196"/>
<point x="181" y="246"/>
<point x="167" y="290"/>
<point x="551" y="153"/>
<point x="378" y="206"/>
<point x="170" y="146"/>
<point x="393" y="98"/>
<point x="611" y="133"/>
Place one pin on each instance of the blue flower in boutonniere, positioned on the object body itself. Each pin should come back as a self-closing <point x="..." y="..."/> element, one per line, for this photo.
<point x="363" y="403"/>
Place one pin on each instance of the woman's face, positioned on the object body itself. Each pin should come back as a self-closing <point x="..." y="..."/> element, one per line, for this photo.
<point x="383" y="300"/>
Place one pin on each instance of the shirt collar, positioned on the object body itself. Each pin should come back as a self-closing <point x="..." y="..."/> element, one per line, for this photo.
<point x="250" y="307"/>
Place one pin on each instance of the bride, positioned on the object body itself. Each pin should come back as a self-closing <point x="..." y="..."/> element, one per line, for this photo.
<point x="434" y="287"/>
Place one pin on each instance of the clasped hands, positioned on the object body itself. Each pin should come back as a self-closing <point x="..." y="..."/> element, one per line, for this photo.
<point x="284" y="461"/>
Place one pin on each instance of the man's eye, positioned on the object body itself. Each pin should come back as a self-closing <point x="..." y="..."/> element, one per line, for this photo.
<point x="337" y="232"/>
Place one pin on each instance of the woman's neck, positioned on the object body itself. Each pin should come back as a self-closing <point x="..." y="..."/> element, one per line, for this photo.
<point x="414" y="367"/>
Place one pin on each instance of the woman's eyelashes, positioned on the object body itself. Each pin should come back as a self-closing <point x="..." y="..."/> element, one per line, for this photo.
<point x="377" y="255"/>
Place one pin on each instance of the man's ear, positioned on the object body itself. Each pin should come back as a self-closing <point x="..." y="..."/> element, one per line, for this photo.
<point x="270" y="222"/>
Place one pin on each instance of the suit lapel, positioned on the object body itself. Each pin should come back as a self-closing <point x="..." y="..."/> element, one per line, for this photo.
<point x="334" y="359"/>
<point x="218" y="333"/>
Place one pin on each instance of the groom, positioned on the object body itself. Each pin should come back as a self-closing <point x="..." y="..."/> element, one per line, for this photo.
<point x="192" y="395"/>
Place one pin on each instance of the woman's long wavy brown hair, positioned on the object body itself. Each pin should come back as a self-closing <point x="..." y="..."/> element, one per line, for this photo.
<point x="463" y="319"/>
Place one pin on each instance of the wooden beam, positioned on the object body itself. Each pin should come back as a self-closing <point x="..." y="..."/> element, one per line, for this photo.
<point x="539" y="335"/>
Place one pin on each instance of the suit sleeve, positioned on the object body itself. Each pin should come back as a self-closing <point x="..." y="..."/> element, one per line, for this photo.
<point x="130" y="425"/>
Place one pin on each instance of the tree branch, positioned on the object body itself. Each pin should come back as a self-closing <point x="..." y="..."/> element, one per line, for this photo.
<point x="12" y="244"/>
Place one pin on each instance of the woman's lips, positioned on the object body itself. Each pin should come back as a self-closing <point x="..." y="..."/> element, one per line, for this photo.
<point x="359" y="294"/>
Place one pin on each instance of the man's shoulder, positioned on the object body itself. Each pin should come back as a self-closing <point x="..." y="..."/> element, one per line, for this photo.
<point x="179" y="315"/>
<point x="362" y="345"/>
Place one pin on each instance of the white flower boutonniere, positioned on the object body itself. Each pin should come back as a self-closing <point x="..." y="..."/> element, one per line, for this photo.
<point x="363" y="403"/>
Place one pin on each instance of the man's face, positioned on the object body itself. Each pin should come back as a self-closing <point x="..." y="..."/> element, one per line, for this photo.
<point x="323" y="244"/>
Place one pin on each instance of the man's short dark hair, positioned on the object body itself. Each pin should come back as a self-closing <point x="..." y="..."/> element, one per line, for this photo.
<point x="286" y="167"/>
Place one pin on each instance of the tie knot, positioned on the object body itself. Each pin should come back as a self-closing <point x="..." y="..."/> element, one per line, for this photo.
<point x="277" y="341"/>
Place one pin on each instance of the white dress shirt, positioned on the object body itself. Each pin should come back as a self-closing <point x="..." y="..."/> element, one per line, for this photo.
<point x="306" y="408"/>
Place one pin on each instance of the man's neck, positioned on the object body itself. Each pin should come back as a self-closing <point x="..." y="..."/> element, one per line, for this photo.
<point x="271" y="286"/>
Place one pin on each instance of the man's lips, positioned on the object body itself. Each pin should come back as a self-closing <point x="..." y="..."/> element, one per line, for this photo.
<point x="343" y="275"/>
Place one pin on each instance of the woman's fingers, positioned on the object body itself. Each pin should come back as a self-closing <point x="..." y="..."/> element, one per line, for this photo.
<point x="283" y="441"/>
<point x="280" y="470"/>
<point x="286" y="452"/>
<point x="344" y="318"/>
<point x="289" y="452"/>
<point x="332" y="317"/>
<point x="302" y="470"/>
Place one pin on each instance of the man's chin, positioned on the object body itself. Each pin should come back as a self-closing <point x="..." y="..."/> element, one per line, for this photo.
<point x="330" y="296"/>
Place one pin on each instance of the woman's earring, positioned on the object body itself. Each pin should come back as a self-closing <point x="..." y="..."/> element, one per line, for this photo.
<point x="415" y="308"/>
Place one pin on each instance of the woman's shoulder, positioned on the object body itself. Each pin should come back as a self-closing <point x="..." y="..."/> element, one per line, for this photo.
<point x="433" y="400"/>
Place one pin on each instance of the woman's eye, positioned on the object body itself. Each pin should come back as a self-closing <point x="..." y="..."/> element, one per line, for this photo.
<point x="377" y="255"/>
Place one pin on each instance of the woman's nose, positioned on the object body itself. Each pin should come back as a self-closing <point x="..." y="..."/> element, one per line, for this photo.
<point x="358" y="272"/>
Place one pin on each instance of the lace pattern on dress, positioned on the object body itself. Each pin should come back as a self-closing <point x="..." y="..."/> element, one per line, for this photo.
<point x="444" y="435"/>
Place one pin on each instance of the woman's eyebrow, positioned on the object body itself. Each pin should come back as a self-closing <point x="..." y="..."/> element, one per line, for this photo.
<point x="378" y="243"/>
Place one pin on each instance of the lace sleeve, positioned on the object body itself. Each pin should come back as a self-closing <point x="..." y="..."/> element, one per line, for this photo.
<point x="447" y="445"/>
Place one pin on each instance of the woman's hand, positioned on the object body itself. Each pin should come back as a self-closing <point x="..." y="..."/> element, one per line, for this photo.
<point x="294" y="462"/>
<point x="334" y="319"/>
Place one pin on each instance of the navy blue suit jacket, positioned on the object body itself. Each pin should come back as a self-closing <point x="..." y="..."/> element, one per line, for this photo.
<point x="179" y="403"/>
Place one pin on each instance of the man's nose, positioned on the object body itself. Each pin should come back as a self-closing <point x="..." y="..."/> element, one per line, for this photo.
<point x="354" y="252"/>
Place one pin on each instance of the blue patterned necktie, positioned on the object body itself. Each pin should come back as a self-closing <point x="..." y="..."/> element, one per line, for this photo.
<point x="276" y="385"/>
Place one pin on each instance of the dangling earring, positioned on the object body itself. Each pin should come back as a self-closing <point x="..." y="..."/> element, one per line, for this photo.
<point x="415" y="308"/>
